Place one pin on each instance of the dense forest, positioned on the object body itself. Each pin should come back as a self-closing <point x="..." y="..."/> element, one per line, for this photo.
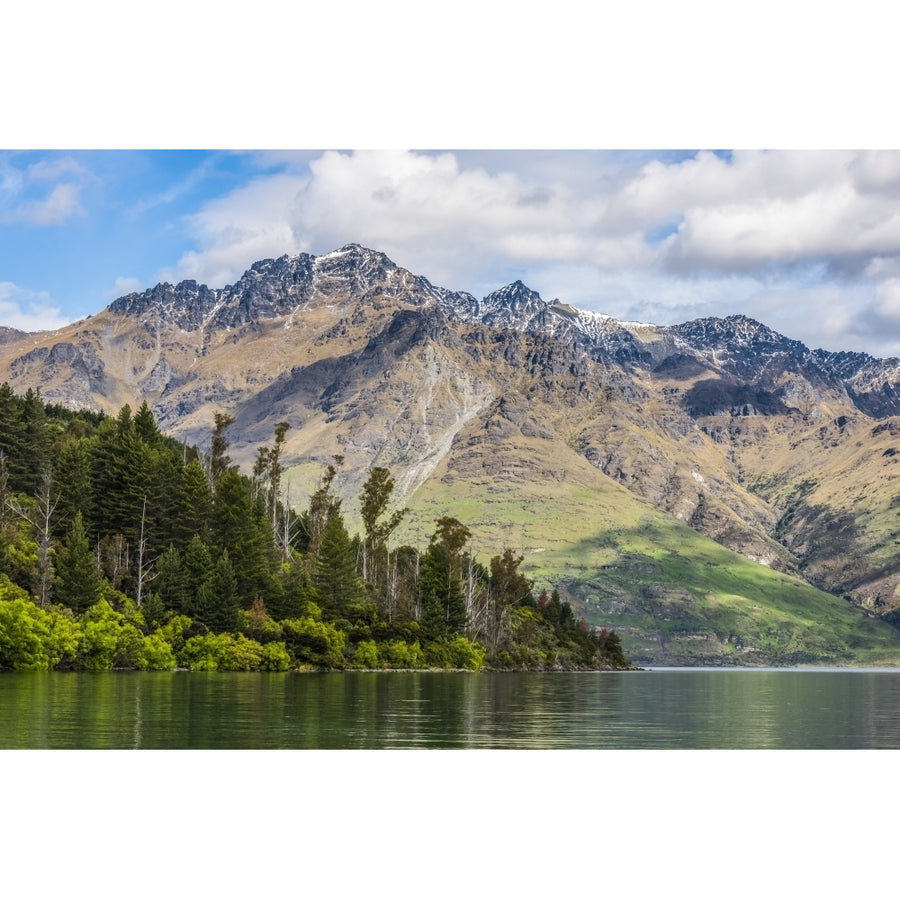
<point x="122" y="548"/>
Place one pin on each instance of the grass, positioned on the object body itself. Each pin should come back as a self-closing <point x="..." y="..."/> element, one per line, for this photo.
<point x="674" y="595"/>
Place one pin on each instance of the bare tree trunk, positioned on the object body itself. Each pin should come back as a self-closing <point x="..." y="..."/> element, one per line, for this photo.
<point x="143" y="573"/>
<point x="40" y="517"/>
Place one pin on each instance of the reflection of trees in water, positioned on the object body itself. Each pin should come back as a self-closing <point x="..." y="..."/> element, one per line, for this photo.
<point x="687" y="709"/>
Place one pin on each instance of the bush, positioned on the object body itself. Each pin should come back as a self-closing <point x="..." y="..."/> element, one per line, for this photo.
<point x="275" y="657"/>
<point x="401" y="655"/>
<point x="464" y="654"/>
<point x="108" y="641"/>
<point x="365" y="656"/>
<point x="31" y="638"/>
<point x="158" y="655"/>
<point x="316" y="643"/>
<point x="223" y="652"/>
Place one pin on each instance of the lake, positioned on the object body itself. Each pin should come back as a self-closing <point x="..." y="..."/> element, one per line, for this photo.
<point x="659" y="708"/>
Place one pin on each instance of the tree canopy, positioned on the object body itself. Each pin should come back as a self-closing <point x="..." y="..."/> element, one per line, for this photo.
<point x="120" y="546"/>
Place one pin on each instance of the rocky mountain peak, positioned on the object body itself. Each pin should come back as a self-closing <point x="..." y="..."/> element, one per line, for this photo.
<point x="733" y="332"/>
<point x="514" y="306"/>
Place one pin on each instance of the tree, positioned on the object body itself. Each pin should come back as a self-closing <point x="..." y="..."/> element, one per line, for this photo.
<point x="440" y="585"/>
<point x="193" y="504"/>
<point x="374" y="500"/>
<point x="508" y="588"/>
<point x="170" y="584"/>
<point x="12" y="436"/>
<point x="77" y="578"/>
<point x="219" y="461"/>
<point x="241" y="528"/>
<point x="336" y="578"/>
<point x="39" y="514"/>
<point x="145" y="426"/>
<point x="34" y="445"/>
<point x="197" y="568"/>
<point x="322" y="504"/>
<point x="223" y="597"/>
<point x="121" y="476"/>
<point x="275" y="471"/>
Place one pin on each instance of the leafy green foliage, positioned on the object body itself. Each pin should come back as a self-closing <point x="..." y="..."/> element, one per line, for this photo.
<point x="161" y="556"/>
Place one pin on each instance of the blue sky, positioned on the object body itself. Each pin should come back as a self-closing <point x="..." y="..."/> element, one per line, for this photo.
<point x="806" y="241"/>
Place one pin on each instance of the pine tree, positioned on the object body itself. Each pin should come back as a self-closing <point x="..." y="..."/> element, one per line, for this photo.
<point x="335" y="576"/>
<point x="77" y="578"/>
<point x="170" y="582"/>
<point x="193" y="504"/>
<point x="223" y="597"/>
<point x="197" y="566"/>
<point x="12" y="430"/>
<point x="35" y="446"/>
<point x="442" y="600"/>
<point x="241" y="528"/>
<point x="73" y="475"/>
<point x="219" y="460"/>
<point x="146" y="428"/>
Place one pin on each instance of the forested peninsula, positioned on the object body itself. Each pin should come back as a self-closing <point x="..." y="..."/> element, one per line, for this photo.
<point x="122" y="548"/>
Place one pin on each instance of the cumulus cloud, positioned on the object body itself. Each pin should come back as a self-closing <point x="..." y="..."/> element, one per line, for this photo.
<point x="43" y="193"/>
<point x="705" y="234"/>
<point x="123" y="286"/>
<point x="27" y="310"/>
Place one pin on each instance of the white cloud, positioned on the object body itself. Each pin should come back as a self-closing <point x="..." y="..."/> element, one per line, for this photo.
<point x="43" y="193"/>
<point x="253" y="222"/>
<point x="60" y="204"/>
<point x="27" y="310"/>
<point x="123" y="286"/>
<point x="703" y="235"/>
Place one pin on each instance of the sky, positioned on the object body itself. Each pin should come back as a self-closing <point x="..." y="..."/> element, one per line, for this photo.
<point x="807" y="242"/>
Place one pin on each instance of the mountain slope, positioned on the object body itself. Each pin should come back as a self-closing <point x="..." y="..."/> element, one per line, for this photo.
<point x="620" y="458"/>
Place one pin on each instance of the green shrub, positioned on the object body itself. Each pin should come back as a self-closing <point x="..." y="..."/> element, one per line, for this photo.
<point x="158" y="655"/>
<point x="108" y="641"/>
<point x="464" y="654"/>
<point x="365" y="656"/>
<point x="31" y="638"/>
<point x="275" y="657"/>
<point x="315" y="643"/>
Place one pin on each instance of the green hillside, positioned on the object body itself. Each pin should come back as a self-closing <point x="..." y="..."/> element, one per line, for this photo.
<point x="673" y="595"/>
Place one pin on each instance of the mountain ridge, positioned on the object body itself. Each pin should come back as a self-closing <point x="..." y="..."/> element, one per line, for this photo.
<point x="722" y="425"/>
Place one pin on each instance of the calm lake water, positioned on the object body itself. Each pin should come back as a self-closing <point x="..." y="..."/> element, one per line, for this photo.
<point x="688" y="709"/>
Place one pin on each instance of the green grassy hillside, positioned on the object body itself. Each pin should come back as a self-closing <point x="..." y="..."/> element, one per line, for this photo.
<point x="674" y="596"/>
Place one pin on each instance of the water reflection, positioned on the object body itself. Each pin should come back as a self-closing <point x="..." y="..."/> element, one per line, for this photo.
<point x="656" y="709"/>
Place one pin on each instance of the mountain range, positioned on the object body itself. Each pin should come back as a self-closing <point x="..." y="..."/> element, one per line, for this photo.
<point x="715" y="491"/>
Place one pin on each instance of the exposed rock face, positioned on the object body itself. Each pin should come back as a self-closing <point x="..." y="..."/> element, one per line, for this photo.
<point x="745" y="435"/>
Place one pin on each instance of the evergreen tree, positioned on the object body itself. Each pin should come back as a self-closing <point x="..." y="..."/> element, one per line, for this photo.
<point x="441" y="597"/>
<point x="508" y="588"/>
<point x="146" y="428"/>
<point x="241" y="528"/>
<point x="219" y="460"/>
<point x="197" y="567"/>
<point x="35" y="445"/>
<point x="12" y="430"/>
<point x="193" y="504"/>
<point x="77" y="578"/>
<point x="221" y="615"/>
<point x="122" y="468"/>
<point x="170" y="583"/>
<point x="335" y="576"/>
<point x="442" y="600"/>
<point x="73" y="475"/>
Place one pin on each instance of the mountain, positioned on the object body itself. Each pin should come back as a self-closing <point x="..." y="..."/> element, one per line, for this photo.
<point x="713" y="490"/>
